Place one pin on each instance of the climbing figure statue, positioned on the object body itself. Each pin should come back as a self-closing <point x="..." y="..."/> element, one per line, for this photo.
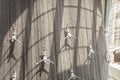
<point x="73" y="76"/>
<point x="44" y="58"/>
<point x="14" y="36"/>
<point x="14" y="75"/>
<point x="68" y="34"/>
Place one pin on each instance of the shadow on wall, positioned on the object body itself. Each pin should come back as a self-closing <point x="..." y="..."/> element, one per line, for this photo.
<point x="55" y="44"/>
<point x="8" y="17"/>
<point x="41" y="69"/>
<point x="101" y="46"/>
<point x="95" y="66"/>
<point x="57" y="31"/>
<point x="8" y="8"/>
<point x="99" y="43"/>
<point x="26" y="40"/>
<point x="11" y="55"/>
<point x="26" y="4"/>
<point x="81" y="69"/>
<point x="77" y="33"/>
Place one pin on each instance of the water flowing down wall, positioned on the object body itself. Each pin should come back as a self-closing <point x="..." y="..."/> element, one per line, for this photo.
<point x="41" y="23"/>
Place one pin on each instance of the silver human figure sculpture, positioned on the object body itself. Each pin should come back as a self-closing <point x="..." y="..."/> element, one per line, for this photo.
<point x="107" y="57"/>
<point x="14" y="75"/>
<point x="91" y="51"/>
<point x="68" y="34"/>
<point x="45" y="59"/>
<point x="14" y="36"/>
<point x="73" y="76"/>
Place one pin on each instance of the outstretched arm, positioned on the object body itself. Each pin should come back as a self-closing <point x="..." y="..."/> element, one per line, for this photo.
<point x="39" y="62"/>
<point x="70" y="78"/>
<point x="66" y="37"/>
<point x="73" y="36"/>
<point x="49" y="61"/>
<point x="77" y="77"/>
<point x="89" y="54"/>
<point x="17" y="40"/>
<point x="91" y="51"/>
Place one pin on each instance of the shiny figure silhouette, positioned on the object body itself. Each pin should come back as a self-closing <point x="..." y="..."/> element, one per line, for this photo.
<point x="44" y="58"/>
<point x="91" y="51"/>
<point x="73" y="76"/>
<point x="14" y="75"/>
<point x="14" y="36"/>
<point x="107" y="57"/>
<point x="68" y="34"/>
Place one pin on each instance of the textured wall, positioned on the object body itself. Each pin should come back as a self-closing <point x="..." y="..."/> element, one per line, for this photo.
<point x="114" y="26"/>
<point x="42" y="22"/>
